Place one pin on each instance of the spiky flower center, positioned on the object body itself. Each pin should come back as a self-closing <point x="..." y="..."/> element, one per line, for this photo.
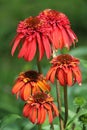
<point x="32" y="22"/>
<point x="40" y="97"/>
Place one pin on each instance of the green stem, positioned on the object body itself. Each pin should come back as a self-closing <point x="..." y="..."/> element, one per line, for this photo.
<point x="39" y="127"/>
<point x="38" y="66"/>
<point x="51" y="126"/>
<point x="66" y="105"/>
<point x="84" y="127"/>
<point x="59" y="105"/>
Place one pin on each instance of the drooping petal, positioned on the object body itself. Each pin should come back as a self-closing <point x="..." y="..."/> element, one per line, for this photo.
<point x="69" y="77"/>
<point x="26" y="110"/>
<point x="61" y="77"/>
<point x="23" y="49"/>
<point x="40" y="46"/>
<point x="16" y="43"/>
<point x="49" y="73"/>
<point x="55" y="110"/>
<point x="25" y="91"/>
<point x="78" y="75"/>
<point x="72" y="35"/>
<point x="50" y="116"/>
<point x="43" y="115"/>
<point x="39" y="115"/>
<point x="52" y="76"/>
<point x="42" y="86"/>
<point x="32" y="49"/>
<point x="34" y="115"/>
<point x="66" y="38"/>
<point x="47" y="47"/>
<point x="17" y="87"/>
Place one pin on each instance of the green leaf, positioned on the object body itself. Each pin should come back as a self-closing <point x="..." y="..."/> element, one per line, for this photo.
<point x="79" y="101"/>
<point x="7" y="120"/>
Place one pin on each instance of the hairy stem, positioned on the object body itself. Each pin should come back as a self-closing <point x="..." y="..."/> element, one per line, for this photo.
<point x="59" y="105"/>
<point x="66" y="105"/>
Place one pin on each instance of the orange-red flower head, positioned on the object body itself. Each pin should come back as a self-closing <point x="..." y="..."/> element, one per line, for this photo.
<point x="65" y="68"/>
<point x="38" y="106"/>
<point x="28" y="83"/>
<point x="32" y="34"/>
<point x="61" y="32"/>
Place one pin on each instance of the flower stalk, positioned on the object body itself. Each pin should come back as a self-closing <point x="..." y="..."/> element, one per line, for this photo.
<point x="66" y="105"/>
<point x="59" y="105"/>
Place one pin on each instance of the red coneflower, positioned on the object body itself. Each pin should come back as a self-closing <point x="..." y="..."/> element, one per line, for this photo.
<point x="28" y="83"/>
<point x="32" y="34"/>
<point x="38" y="106"/>
<point x="65" y="68"/>
<point x="61" y="34"/>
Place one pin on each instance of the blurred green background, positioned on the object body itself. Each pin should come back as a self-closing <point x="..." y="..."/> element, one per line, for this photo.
<point x="13" y="11"/>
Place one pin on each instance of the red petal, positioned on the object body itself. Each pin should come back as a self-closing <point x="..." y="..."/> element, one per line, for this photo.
<point x="23" y="49"/>
<point x="49" y="73"/>
<point x="47" y="47"/>
<point x="69" y="77"/>
<point x="56" y="113"/>
<point x="43" y="115"/>
<point x="60" y="38"/>
<point x="56" y="38"/>
<point x="40" y="46"/>
<point x="39" y="115"/>
<point x="72" y="35"/>
<point x="52" y="76"/>
<point x="66" y="38"/>
<point x="16" y="42"/>
<point x="26" y="110"/>
<point x="18" y="85"/>
<point x="78" y="75"/>
<point x="34" y="115"/>
<point x="50" y="116"/>
<point x="61" y="77"/>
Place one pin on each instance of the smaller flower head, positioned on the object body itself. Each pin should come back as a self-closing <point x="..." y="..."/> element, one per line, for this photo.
<point x="28" y="83"/>
<point x="61" y="34"/>
<point x="65" y="68"/>
<point x="32" y="33"/>
<point x="38" y="106"/>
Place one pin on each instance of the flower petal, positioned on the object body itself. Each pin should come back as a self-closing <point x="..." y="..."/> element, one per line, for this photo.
<point x="25" y="92"/>
<point x="16" y="43"/>
<point x="47" y="47"/>
<point x="40" y="46"/>
<point x="23" y="49"/>
<point x="61" y="77"/>
<point x="69" y="77"/>
<point x="18" y="85"/>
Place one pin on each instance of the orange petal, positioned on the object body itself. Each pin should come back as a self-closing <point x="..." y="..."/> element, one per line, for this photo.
<point x="61" y="77"/>
<point x="25" y="92"/>
<point x="50" y="116"/>
<point x="34" y="115"/>
<point x="39" y="115"/>
<point x="52" y="76"/>
<point x="56" y="113"/>
<point x="78" y="75"/>
<point x="47" y="106"/>
<point x="18" y="85"/>
<point x="69" y="77"/>
<point x="26" y="110"/>
<point x="42" y="86"/>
